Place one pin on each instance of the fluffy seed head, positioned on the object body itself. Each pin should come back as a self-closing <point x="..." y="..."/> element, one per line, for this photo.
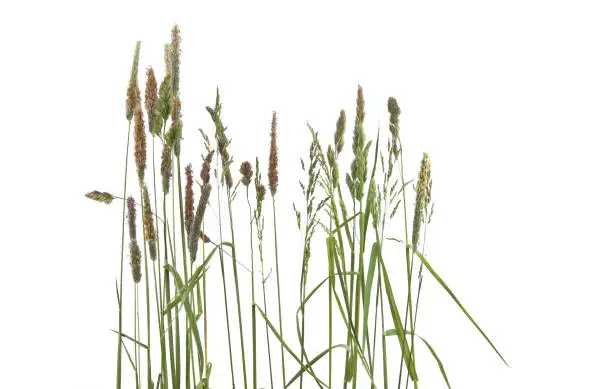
<point x="340" y="130"/>
<point x="135" y="260"/>
<point x="273" y="161"/>
<point x="131" y="204"/>
<point x="163" y="106"/>
<point x="102" y="197"/>
<point x="189" y="198"/>
<point x="166" y="168"/>
<point x="140" y="143"/>
<point x="151" y="99"/>
<point x="247" y="173"/>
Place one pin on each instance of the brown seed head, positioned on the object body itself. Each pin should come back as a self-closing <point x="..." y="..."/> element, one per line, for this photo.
<point x="135" y="260"/>
<point x="189" y="198"/>
<point x="133" y="93"/>
<point x="166" y="168"/>
<point x="197" y="221"/>
<point x="140" y="143"/>
<point x="273" y="161"/>
<point x="103" y="197"/>
<point x="247" y="173"/>
<point x="151" y="99"/>
<point x="204" y="237"/>
<point x="149" y="227"/>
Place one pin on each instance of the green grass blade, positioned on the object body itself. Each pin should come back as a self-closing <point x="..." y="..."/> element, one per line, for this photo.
<point x="431" y="351"/>
<point x="367" y="292"/>
<point x="313" y="361"/>
<point x="450" y="292"/>
<point x="132" y="339"/>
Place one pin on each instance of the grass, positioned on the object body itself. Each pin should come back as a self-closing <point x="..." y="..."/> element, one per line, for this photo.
<point x="361" y="297"/>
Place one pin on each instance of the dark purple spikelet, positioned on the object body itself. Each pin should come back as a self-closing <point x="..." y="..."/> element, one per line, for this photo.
<point x="247" y="173"/>
<point x="197" y="222"/>
<point x="273" y="161"/>
<point x="131" y="204"/>
<point x="166" y="168"/>
<point x="205" y="172"/>
<point x="189" y="198"/>
<point x="140" y="143"/>
<point x="151" y="99"/>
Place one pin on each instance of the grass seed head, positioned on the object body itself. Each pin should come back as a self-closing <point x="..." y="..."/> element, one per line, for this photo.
<point x="195" y="230"/>
<point x="247" y="173"/>
<point x="163" y="106"/>
<point x="394" y="112"/>
<point x="205" y="172"/>
<point x="339" y="134"/>
<point x="102" y="197"/>
<point x="140" y="143"/>
<point x="131" y="204"/>
<point x="149" y="226"/>
<point x="151" y="99"/>
<point x="166" y="168"/>
<point x="273" y="161"/>
<point x="133" y="93"/>
<point x="189" y="198"/>
<point x="135" y="261"/>
<point x="423" y="197"/>
<point x="174" y="56"/>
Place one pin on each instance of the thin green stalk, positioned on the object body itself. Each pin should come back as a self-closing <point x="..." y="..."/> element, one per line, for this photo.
<point x="360" y="277"/>
<point x="253" y="320"/>
<point x="177" y="341"/>
<point x="352" y="270"/>
<point x="119" y="351"/>
<point x="235" y="267"/>
<point x="280" y="315"/>
<point x="136" y="336"/>
<point x="184" y="248"/>
<point x="167" y="292"/>
<point x="204" y="303"/>
<point x="229" y="338"/>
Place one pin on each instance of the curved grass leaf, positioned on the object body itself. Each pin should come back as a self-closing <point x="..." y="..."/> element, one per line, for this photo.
<point x="312" y="362"/>
<point x="450" y="292"/>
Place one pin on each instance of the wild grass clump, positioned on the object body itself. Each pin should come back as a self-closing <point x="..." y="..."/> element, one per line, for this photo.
<point x="350" y="220"/>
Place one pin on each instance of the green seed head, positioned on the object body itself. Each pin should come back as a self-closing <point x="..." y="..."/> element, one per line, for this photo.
<point x="102" y="197"/>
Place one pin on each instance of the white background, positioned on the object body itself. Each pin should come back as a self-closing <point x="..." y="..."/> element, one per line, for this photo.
<point x="511" y="99"/>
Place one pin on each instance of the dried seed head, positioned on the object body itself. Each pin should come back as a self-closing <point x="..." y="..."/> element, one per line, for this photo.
<point x="423" y="196"/>
<point x="247" y="173"/>
<point x="205" y="172"/>
<point x="394" y="112"/>
<point x="133" y="93"/>
<point x="131" y="204"/>
<point x="103" y="197"/>
<point x="151" y="99"/>
<point x="174" y="54"/>
<point x="135" y="259"/>
<point x="197" y="221"/>
<point x="140" y="143"/>
<point x="166" y="168"/>
<point x="273" y="161"/>
<point x="189" y="198"/>
<point x="340" y="130"/>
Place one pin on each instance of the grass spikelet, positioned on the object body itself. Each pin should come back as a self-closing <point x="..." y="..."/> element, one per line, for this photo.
<point x="135" y="261"/>
<point x="140" y="143"/>
<point x="102" y="197"/>
<point x="151" y="100"/>
<point x="340" y="130"/>
<point x="247" y="173"/>
<point x="131" y="204"/>
<point x="174" y="57"/>
<point x="222" y="141"/>
<point x="197" y="221"/>
<point x="149" y="226"/>
<point x="205" y="172"/>
<point x="423" y="196"/>
<point x="133" y="93"/>
<point x="273" y="161"/>
<point x="166" y="168"/>
<point x="189" y="198"/>
<point x="394" y="112"/>
<point x="164" y="105"/>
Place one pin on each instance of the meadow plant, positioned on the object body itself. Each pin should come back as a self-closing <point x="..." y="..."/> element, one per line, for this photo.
<point x="361" y="296"/>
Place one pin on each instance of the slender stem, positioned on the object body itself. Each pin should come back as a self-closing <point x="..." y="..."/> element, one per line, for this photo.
<point x="229" y="338"/>
<point x="235" y="267"/>
<point x="253" y="321"/>
<point x="177" y="341"/>
<point x="167" y="292"/>
<point x="136" y="336"/>
<point x="360" y="277"/>
<point x="119" y="351"/>
<point x="280" y="314"/>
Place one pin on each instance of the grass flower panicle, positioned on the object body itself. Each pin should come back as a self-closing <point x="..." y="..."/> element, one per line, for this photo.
<point x="247" y="173"/>
<point x="166" y="168"/>
<point x="102" y="197"/>
<point x="140" y="143"/>
<point x="189" y="198"/>
<point x="151" y="100"/>
<point x="195" y="231"/>
<point x="273" y="161"/>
